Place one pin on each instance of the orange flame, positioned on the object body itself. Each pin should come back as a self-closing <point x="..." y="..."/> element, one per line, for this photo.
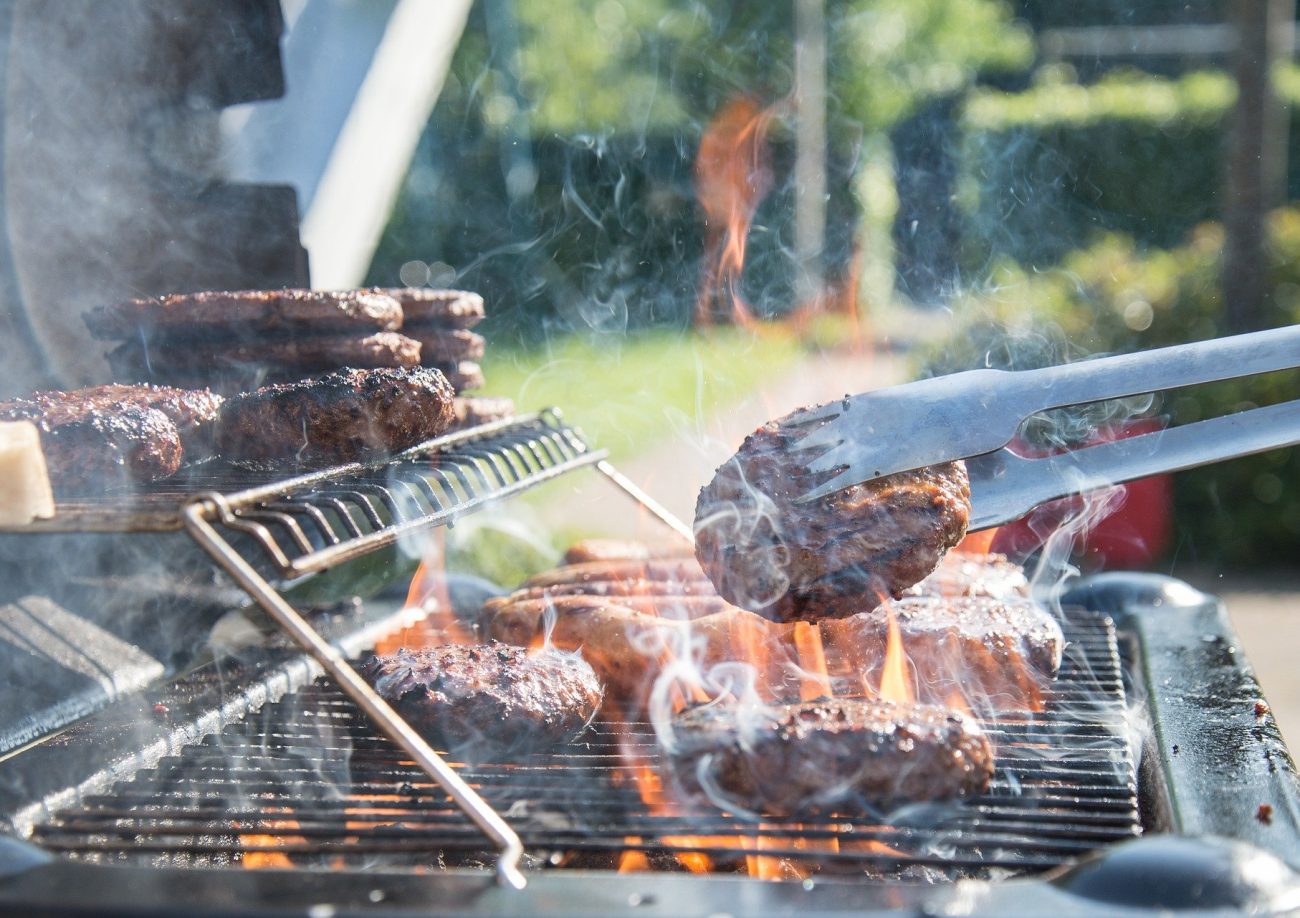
<point x="732" y="176"/>
<point x="266" y="858"/>
<point x="633" y="860"/>
<point x="895" y="685"/>
<point x="814" y="677"/>
<point x="977" y="543"/>
<point x="428" y="592"/>
<point x="957" y="701"/>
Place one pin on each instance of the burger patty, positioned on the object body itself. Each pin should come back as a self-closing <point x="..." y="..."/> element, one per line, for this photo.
<point x="340" y="417"/>
<point x="462" y="374"/>
<point x="958" y="574"/>
<point x="246" y="314"/>
<point x="472" y="411"/>
<point x="437" y="308"/>
<point x="172" y="358"/>
<point x="106" y="436"/>
<point x="829" y="558"/>
<point x="830" y="755"/>
<point x="447" y="345"/>
<point x="492" y="695"/>
<point x="996" y="654"/>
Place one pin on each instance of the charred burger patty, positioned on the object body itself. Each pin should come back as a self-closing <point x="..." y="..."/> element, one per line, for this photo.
<point x="339" y="417"/>
<point x="830" y="755"/>
<point x="836" y="556"/>
<point x="492" y="694"/>
<point x="115" y="434"/>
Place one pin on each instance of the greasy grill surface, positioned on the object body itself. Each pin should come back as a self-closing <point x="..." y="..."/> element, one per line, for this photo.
<point x="306" y="783"/>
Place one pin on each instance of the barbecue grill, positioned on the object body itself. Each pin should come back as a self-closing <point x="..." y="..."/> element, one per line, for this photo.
<point x="136" y="779"/>
<point x="1154" y="729"/>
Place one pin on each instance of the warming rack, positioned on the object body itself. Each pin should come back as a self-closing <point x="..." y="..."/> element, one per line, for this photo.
<point x="268" y="532"/>
<point x="313" y="522"/>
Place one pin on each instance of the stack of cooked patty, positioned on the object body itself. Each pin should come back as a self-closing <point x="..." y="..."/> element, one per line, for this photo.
<point x="237" y="341"/>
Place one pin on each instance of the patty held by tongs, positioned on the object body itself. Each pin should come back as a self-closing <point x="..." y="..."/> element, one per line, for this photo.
<point x="831" y="557"/>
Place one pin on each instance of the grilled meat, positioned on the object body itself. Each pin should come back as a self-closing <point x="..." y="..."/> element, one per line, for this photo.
<point x="623" y="615"/>
<point x="106" y="436"/>
<point x="471" y="411"/>
<point x="447" y="345"/>
<point x="169" y="358"/>
<point x="437" y="308"/>
<point x="629" y="644"/>
<point x="627" y="588"/>
<point x="995" y="654"/>
<point x="961" y="574"/>
<point x="621" y="550"/>
<point x="828" y="756"/>
<point x="488" y="698"/>
<point x="833" y="557"/>
<point x="246" y="314"/>
<point x="96" y="450"/>
<point x="665" y="570"/>
<point x="339" y="417"/>
<point x="462" y="374"/>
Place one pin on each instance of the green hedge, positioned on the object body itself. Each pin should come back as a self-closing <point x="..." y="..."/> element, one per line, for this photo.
<point x="1116" y="297"/>
<point x="1045" y="170"/>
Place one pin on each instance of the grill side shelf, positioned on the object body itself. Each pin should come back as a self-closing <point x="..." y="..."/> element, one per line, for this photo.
<point x="1222" y="759"/>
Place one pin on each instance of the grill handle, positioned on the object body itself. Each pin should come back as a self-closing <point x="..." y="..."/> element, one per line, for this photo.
<point x="196" y="515"/>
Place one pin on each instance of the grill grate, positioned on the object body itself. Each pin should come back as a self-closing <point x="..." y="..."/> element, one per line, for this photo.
<point x="306" y="783"/>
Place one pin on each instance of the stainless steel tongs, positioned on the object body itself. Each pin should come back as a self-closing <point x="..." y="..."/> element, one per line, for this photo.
<point x="974" y="415"/>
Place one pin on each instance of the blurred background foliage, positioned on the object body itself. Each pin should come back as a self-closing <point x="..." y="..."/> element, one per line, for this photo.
<point x="556" y="173"/>
<point x="1037" y="205"/>
<point x="1117" y="296"/>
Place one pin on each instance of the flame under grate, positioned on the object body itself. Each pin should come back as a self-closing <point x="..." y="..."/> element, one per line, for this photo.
<point x="306" y="783"/>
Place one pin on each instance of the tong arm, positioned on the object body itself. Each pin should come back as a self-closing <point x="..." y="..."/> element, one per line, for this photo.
<point x="1168" y="367"/>
<point x="968" y="414"/>
<point x="1004" y="486"/>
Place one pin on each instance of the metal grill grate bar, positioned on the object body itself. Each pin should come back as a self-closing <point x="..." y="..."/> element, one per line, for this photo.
<point x="310" y="784"/>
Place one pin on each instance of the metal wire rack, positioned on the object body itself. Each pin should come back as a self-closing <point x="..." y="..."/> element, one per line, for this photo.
<point x="310" y="523"/>
<point x="308" y="784"/>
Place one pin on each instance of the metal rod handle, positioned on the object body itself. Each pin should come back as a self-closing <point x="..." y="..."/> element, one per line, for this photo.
<point x="629" y="487"/>
<point x="1004" y="486"/>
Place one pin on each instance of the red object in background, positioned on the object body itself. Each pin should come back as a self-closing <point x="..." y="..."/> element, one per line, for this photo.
<point x="1132" y="536"/>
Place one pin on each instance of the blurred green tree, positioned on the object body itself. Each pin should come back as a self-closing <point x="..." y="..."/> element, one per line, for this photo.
<point x="556" y="173"/>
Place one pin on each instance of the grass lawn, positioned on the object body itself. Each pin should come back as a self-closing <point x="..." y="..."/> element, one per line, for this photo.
<point x="627" y="392"/>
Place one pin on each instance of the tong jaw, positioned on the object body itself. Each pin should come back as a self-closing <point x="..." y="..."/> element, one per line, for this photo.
<point x="946" y="417"/>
